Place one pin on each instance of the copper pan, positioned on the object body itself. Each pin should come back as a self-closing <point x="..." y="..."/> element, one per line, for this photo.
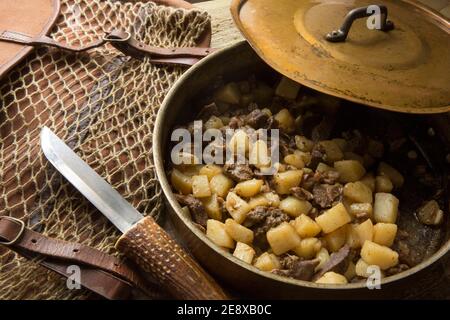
<point x="234" y="62"/>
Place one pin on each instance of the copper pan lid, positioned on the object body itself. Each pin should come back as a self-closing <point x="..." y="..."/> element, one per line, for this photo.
<point x="396" y="58"/>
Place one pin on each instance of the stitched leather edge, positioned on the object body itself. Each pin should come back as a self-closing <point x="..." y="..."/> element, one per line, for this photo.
<point x="56" y="5"/>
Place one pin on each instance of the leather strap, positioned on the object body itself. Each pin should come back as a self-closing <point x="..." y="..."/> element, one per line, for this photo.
<point x="104" y="274"/>
<point x="120" y="40"/>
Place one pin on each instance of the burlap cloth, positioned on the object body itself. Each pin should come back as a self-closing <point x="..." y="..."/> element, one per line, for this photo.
<point x="103" y="105"/>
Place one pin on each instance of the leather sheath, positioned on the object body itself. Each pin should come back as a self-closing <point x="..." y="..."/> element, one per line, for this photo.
<point x="35" y="17"/>
<point x="104" y="274"/>
<point x="25" y="24"/>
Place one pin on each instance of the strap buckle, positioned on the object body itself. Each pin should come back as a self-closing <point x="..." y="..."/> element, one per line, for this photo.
<point x="19" y="234"/>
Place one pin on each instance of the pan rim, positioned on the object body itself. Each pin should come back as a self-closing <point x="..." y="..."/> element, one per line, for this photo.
<point x="158" y="158"/>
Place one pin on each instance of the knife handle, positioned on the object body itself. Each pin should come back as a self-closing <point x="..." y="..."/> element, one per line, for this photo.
<point x="156" y="253"/>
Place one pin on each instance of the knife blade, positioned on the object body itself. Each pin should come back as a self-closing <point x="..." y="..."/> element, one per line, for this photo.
<point x="100" y="193"/>
<point x="143" y="240"/>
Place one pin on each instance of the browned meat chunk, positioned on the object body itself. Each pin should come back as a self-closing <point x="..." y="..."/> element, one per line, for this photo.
<point x="302" y="193"/>
<point x="258" y="119"/>
<point x="329" y="177"/>
<point x="325" y="194"/>
<point x="318" y="155"/>
<point x="238" y="172"/>
<point x="338" y="262"/>
<point x="309" y="180"/>
<point x="430" y="214"/>
<point x="236" y="123"/>
<point x="397" y="269"/>
<point x="207" y="111"/>
<point x="294" y="267"/>
<point x="261" y="219"/>
<point x="196" y="208"/>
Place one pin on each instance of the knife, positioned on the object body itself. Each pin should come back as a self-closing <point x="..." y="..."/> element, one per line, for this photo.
<point x="143" y="240"/>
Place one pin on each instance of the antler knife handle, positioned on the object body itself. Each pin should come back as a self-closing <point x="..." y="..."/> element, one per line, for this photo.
<point x="147" y="244"/>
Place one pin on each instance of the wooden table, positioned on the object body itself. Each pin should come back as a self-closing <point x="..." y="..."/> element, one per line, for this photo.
<point x="435" y="284"/>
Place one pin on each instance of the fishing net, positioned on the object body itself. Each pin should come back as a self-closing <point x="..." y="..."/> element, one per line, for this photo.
<point x="103" y="105"/>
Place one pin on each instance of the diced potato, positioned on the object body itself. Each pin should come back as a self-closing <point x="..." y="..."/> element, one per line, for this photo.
<point x="220" y="184"/>
<point x="369" y="180"/>
<point x="267" y="262"/>
<point x="240" y="143"/>
<point x="332" y="151"/>
<point x="212" y="207"/>
<point x="273" y="198"/>
<point x="236" y="207"/>
<point x="284" y="181"/>
<point x="342" y="143"/>
<point x="228" y="93"/>
<point x="225" y="120"/>
<point x="322" y="167"/>
<point x="213" y="123"/>
<point x="383" y="184"/>
<point x="244" y="86"/>
<point x="185" y="160"/>
<point x="294" y="160"/>
<point x="263" y="93"/>
<point x="308" y="248"/>
<point x="347" y="203"/>
<point x="375" y="148"/>
<point x="215" y="231"/>
<point x="248" y="188"/>
<point x="332" y="278"/>
<point x="384" y="233"/>
<point x="368" y="160"/>
<point x="333" y="218"/>
<point x="361" y="268"/>
<point x="349" y="170"/>
<point x="350" y="273"/>
<point x="210" y="170"/>
<point x="358" y="209"/>
<point x="279" y="167"/>
<point x="285" y="120"/>
<point x="358" y="192"/>
<point x="396" y="177"/>
<point x="336" y="239"/>
<point x="238" y="232"/>
<point x="283" y="238"/>
<point x="244" y="252"/>
<point x="295" y="207"/>
<point x="189" y="170"/>
<point x="385" y="208"/>
<point x="287" y="88"/>
<point x="305" y="156"/>
<point x="200" y="187"/>
<point x="353" y="240"/>
<point x="364" y="231"/>
<point x="181" y="182"/>
<point x="259" y="155"/>
<point x="306" y="227"/>
<point x="303" y="143"/>
<point x="382" y="256"/>
<point x="246" y="99"/>
<point x="258" y="201"/>
<point x="353" y="156"/>
<point x="323" y="257"/>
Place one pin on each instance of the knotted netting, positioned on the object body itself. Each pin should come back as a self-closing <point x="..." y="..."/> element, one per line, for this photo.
<point x="103" y="105"/>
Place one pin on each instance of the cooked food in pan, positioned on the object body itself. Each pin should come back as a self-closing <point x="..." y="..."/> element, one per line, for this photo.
<point x="325" y="210"/>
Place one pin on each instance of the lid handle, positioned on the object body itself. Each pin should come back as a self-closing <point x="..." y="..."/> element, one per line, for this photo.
<point x="381" y="21"/>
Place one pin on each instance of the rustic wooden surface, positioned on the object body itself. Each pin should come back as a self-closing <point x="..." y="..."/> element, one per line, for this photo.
<point x="435" y="283"/>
